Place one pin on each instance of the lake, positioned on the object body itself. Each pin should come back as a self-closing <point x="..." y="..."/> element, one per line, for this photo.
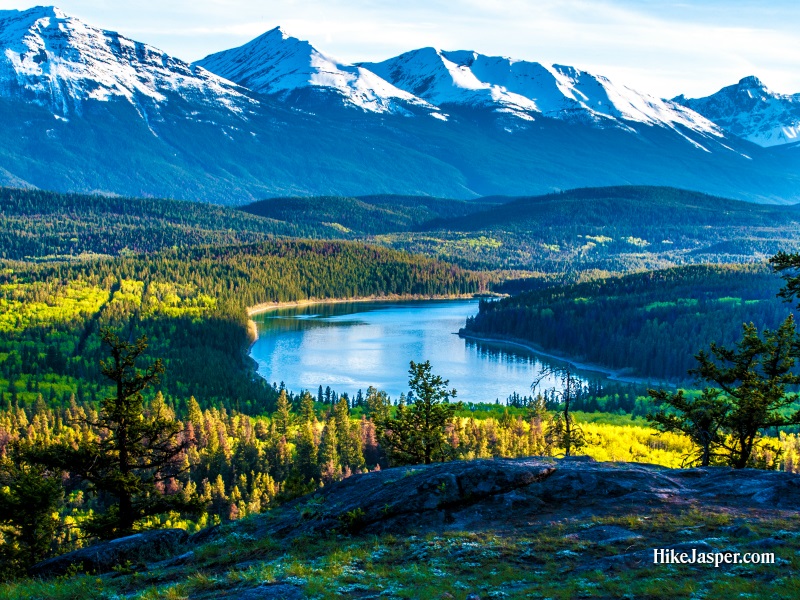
<point x="354" y="345"/>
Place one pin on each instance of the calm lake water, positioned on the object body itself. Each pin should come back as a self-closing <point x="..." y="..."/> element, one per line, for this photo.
<point x="352" y="346"/>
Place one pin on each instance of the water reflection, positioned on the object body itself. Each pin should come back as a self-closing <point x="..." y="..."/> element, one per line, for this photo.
<point x="350" y="346"/>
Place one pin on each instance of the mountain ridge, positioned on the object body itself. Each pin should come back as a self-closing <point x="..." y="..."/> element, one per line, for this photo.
<point x="278" y="63"/>
<point x="750" y="110"/>
<point x="87" y="110"/>
<point x="527" y="89"/>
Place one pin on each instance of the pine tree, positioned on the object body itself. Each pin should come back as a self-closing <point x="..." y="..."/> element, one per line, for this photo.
<point x="29" y="495"/>
<point x="131" y="451"/>
<point x="329" y="462"/>
<point x="349" y="438"/>
<point x="701" y="419"/>
<point x="378" y="405"/>
<point x="219" y="499"/>
<point x="307" y="413"/>
<point x="306" y="460"/>
<point x="282" y="417"/>
<point x="563" y="432"/>
<point x="195" y="413"/>
<point x="417" y="432"/>
<point x="753" y="378"/>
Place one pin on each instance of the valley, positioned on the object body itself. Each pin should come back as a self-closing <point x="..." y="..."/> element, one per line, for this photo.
<point x="187" y="276"/>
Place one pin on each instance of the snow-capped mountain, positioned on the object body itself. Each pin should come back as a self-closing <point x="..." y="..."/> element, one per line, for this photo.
<point x="277" y="63"/>
<point x="526" y="89"/>
<point x="751" y="111"/>
<point x="60" y="62"/>
<point x="88" y="110"/>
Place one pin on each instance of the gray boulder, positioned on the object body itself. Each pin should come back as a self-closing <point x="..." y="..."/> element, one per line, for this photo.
<point x="270" y="591"/>
<point x="479" y="495"/>
<point x="103" y="557"/>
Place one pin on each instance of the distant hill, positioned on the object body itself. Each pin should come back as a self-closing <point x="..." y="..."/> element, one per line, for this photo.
<point x="36" y="224"/>
<point x="368" y="215"/>
<point x="614" y="229"/>
<point x="622" y="207"/>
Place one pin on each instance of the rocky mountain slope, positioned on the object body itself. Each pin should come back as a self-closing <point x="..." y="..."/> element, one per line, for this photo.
<point x="59" y="62"/>
<point x="751" y="111"/>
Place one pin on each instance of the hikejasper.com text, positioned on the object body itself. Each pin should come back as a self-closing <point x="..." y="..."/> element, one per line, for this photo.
<point x="670" y="556"/>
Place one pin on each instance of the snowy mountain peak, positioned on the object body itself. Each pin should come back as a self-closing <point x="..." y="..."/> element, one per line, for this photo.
<point x="750" y="110"/>
<point x="36" y="12"/>
<point x="277" y="63"/>
<point x="751" y="82"/>
<point x="276" y="36"/>
<point x="279" y="30"/>
<point x="59" y="61"/>
<point x="527" y="89"/>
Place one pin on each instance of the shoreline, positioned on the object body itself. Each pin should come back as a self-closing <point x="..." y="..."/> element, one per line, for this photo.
<point x="264" y="307"/>
<point x="258" y="309"/>
<point x="613" y="375"/>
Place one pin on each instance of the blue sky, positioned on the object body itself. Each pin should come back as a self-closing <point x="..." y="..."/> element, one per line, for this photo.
<point x="656" y="46"/>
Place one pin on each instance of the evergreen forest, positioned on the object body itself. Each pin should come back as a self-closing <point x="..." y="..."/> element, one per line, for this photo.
<point x="128" y="400"/>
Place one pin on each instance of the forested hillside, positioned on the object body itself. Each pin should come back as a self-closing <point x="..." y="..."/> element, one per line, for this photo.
<point x="38" y="224"/>
<point x="191" y="305"/>
<point x="649" y="324"/>
<point x="368" y="215"/>
<point x="570" y="235"/>
<point x="613" y="229"/>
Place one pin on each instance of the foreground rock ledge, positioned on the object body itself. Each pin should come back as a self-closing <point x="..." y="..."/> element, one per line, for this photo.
<point x="513" y="493"/>
<point x="477" y="495"/>
<point x="103" y="557"/>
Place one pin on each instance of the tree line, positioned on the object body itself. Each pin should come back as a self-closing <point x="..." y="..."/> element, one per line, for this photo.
<point x="650" y="323"/>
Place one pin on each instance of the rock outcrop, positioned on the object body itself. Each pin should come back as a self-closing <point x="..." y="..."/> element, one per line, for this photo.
<point x="505" y="493"/>
<point x="480" y="495"/>
<point x="103" y="557"/>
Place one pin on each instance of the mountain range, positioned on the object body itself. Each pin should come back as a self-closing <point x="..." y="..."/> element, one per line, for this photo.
<point x="751" y="111"/>
<point x="88" y="110"/>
